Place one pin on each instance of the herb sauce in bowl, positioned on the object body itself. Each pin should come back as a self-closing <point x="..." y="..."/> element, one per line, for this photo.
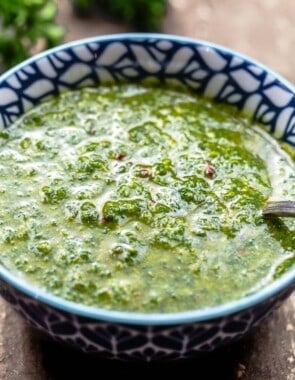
<point x="141" y="198"/>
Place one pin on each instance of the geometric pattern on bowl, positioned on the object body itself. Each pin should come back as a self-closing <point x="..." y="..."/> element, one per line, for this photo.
<point x="204" y="68"/>
<point x="130" y="342"/>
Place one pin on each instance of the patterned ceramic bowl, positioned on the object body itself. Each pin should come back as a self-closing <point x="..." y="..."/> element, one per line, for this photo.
<point x="210" y="69"/>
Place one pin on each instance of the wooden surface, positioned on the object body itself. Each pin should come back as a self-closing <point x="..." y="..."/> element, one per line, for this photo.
<point x="265" y="30"/>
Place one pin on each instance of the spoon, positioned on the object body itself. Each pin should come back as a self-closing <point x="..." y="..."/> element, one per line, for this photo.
<point x="279" y="208"/>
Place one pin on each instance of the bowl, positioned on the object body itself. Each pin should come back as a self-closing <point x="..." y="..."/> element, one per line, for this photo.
<point x="210" y="69"/>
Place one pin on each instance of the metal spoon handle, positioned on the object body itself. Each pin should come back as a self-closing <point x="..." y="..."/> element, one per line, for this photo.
<point x="280" y="208"/>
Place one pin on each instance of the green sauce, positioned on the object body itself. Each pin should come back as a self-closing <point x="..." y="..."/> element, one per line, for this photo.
<point x="143" y="199"/>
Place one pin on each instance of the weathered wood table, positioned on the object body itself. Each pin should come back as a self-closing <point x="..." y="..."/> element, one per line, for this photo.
<point x="265" y="30"/>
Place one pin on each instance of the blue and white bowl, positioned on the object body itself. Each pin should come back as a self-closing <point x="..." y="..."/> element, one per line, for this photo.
<point x="207" y="68"/>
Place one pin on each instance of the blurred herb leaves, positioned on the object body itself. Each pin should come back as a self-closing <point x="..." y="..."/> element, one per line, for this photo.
<point x="142" y="15"/>
<point x="26" y="26"/>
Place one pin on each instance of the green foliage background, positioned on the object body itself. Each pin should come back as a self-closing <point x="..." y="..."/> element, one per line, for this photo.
<point x="25" y="24"/>
<point x="143" y="15"/>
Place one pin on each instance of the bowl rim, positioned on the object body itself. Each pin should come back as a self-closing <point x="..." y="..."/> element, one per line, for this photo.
<point x="136" y="318"/>
<point x="140" y="36"/>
